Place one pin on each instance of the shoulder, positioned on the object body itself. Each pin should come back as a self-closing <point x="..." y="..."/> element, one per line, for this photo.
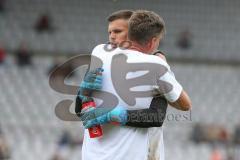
<point x="162" y="57"/>
<point x="98" y="49"/>
<point x="160" y="54"/>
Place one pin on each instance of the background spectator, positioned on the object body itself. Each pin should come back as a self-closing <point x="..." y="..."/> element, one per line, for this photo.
<point x="23" y="55"/>
<point x="44" y="23"/>
<point x="237" y="134"/>
<point x="2" y="6"/>
<point x="185" y="39"/>
<point x="198" y="133"/>
<point x="2" y="55"/>
<point x="65" y="139"/>
<point x="4" y="148"/>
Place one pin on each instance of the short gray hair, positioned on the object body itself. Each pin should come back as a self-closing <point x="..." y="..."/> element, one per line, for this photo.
<point x="144" y="25"/>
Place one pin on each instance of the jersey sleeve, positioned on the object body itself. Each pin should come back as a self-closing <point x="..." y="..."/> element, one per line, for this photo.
<point x="175" y="89"/>
<point x="96" y="53"/>
<point x="98" y="49"/>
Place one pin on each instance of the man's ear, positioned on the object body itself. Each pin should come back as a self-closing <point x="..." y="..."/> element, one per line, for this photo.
<point x="150" y="46"/>
<point x="147" y="45"/>
<point x="152" y="43"/>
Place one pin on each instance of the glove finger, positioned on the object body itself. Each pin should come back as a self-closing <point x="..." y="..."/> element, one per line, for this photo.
<point x="89" y="85"/>
<point x="97" y="112"/>
<point x="97" y="121"/>
<point x="99" y="77"/>
<point x="90" y="123"/>
<point x="97" y="86"/>
<point x="84" y="84"/>
<point x="92" y="86"/>
<point x="98" y="81"/>
<point x="87" y="115"/>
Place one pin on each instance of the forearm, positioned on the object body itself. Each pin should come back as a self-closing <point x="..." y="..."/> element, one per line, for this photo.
<point x="145" y="118"/>
<point x="183" y="103"/>
<point x="151" y="117"/>
<point x="92" y="81"/>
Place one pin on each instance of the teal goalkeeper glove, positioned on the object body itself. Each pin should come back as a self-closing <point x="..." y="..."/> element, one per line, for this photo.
<point x="93" y="116"/>
<point x="92" y="81"/>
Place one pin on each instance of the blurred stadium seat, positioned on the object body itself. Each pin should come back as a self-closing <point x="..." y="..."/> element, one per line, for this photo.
<point x="27" y="106"/>
<point x="27" y="102"/>
<point x="79" y="28"/>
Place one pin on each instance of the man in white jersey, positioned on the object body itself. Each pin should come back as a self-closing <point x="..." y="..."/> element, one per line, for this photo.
<point x="137" y="136"/>
<point x="118" y="30"/>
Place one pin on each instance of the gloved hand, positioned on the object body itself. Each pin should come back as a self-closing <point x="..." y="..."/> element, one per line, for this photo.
<point x="92" y="81"/>
<point x="96" y="116"/>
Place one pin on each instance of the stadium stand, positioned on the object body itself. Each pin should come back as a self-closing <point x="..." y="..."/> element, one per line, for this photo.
<point x="79" y="27"/>
<point x="27" y="102"/>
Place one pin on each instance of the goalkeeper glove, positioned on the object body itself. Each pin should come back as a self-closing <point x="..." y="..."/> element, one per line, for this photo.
<point x="96" y="116"/>
<point x="92" y="81"/>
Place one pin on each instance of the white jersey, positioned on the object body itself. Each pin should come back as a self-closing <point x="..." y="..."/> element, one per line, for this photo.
<point x="156" y="145"/>
<point x="124" y="142"/>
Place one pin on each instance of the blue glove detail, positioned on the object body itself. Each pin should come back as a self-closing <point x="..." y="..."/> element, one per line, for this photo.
<point x="92" y="81"/>
<point x="118" y="115"/>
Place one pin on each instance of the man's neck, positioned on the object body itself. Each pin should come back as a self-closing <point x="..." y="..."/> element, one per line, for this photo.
<point x="137" y="47"/>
